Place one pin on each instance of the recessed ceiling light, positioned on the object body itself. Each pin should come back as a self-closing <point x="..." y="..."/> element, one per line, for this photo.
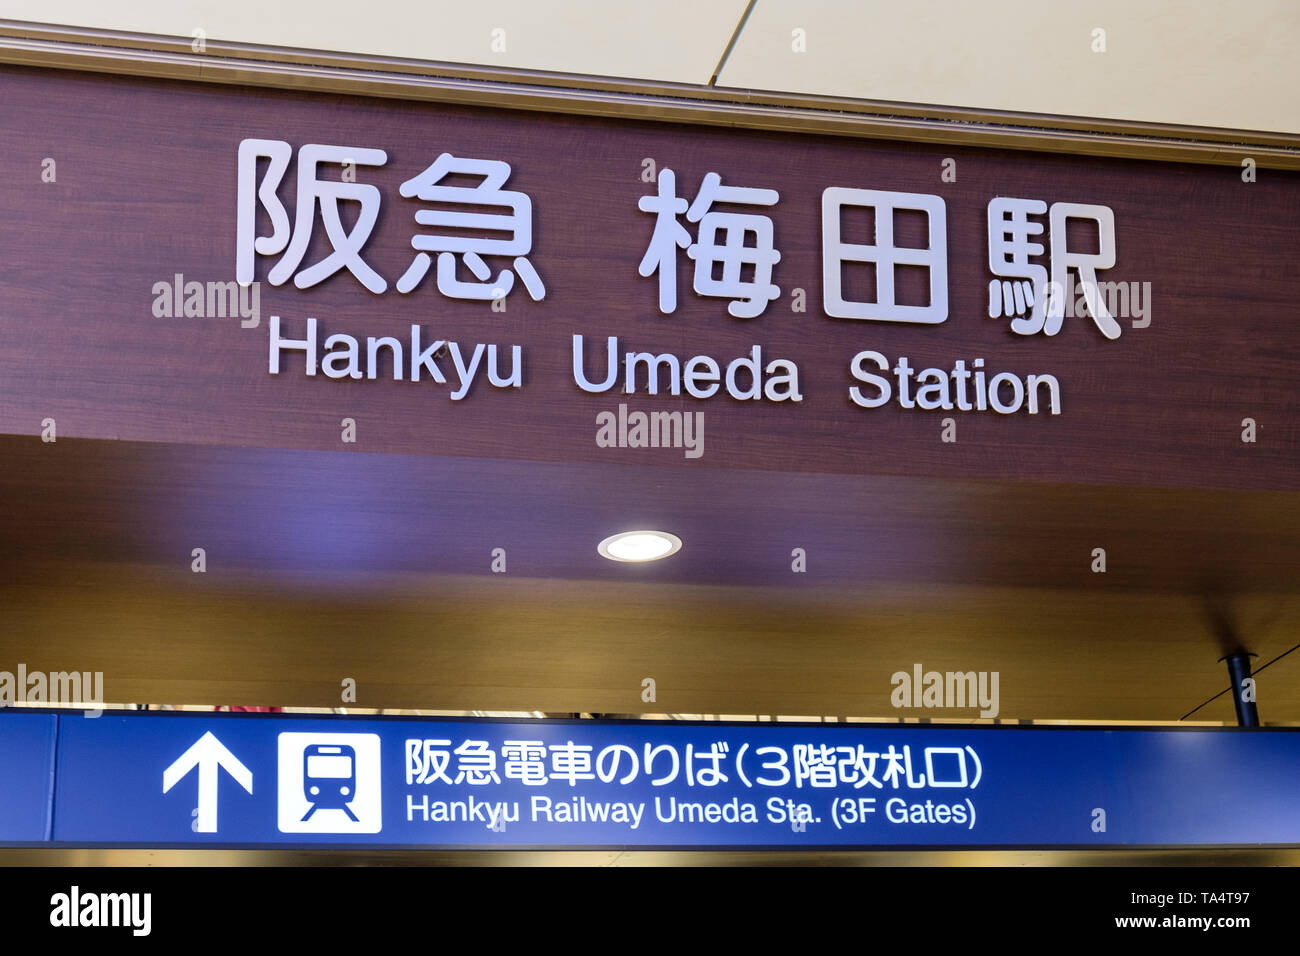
<point x="640" y="546"/>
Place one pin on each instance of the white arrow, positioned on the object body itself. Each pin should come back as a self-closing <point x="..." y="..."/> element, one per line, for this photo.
<point x="207" y="753"/>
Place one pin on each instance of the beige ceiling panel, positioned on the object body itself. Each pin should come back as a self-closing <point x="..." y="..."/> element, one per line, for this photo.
<point x="1202" y="63"/>
<point x="667" y="40"/>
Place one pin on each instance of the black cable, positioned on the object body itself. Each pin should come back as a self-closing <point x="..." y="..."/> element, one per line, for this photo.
<point x="1226" y="689"/>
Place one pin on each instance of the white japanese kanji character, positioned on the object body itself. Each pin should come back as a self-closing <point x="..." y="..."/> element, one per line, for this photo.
<point x="858" y="767"/>
<point x="1034" y="304"/>
<point x="896" y="763"/>
<point x="427" y="761"/>
<point x="721" y="245"/>
<point x="884" y="255"/>
<point x="525" y="761"/>
<point x="518" y="222"/>
<point x="961" y="779"/>
<point x="571" y="762"/>
<point x="814" y="763"/>
<point x="476" y="764"/>
<point x="346" y="244"/>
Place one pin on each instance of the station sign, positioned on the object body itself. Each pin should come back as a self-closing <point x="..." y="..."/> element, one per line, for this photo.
<point x="184" y="779"/>
<point x="299" y="270"/>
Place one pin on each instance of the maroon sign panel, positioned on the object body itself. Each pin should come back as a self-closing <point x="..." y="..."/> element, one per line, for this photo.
<point x="204" y="264"/>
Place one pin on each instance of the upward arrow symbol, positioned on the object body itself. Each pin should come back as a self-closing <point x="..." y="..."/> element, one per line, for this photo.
<point x="207" y="753"/>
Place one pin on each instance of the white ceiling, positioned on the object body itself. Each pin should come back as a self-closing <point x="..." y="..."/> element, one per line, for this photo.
<point x="1197" y="62"/>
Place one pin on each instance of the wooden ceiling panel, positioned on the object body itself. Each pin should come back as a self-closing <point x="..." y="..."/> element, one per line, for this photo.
<point x="322" y="566"/>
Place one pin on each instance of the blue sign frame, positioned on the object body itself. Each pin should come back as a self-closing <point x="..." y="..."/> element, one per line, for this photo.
<point x="189" y="779"/>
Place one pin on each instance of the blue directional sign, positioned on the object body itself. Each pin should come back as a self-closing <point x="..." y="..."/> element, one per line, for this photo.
<point x="170" y="779"/>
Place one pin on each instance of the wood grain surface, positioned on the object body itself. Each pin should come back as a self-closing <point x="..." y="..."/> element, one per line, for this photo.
<point x="146" y="175"/>
<point x="322" y="565"/>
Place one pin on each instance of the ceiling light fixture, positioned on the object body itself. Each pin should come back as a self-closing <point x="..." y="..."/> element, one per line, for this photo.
<point x="639" y="546"/>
